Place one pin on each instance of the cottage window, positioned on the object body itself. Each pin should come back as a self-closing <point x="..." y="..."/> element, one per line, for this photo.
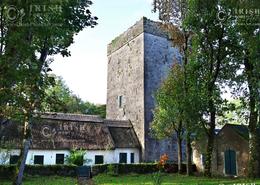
<point x="132" y="157"/>
<point x="38" y="159"/>
<point x="14" y="159"/>
<point x="59" y="158"/>
<point x="99" y="159"/>
<point x="122" y="157"/>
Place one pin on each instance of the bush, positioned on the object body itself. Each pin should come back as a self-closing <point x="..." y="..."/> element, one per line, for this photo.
<point x="142" y="168"/>
<point x="76" y="157"/>
<point x="112" y="170"/>
<point x="7" y="171"/>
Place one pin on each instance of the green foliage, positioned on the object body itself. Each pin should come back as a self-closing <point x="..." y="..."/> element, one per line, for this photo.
<point x="157" y="178"/>
<point x="27" y="41"/>
<point x="7" y="171"/>
<point x="39" y="180"/>
<point x="59" y="98"/>
<point x="112" y="170"/>
<point x="168" y="114"/>
<point x="225" y="51"/>
<point x="76" y="157"/>
<point x="234" y="113"/>
<point x="169" y="179"/>
<point x="141" y="168"/>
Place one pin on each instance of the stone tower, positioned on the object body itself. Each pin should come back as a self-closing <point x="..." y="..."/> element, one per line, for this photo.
<point x="138" y="61"/>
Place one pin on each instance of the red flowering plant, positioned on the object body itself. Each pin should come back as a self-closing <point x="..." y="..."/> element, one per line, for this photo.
<point x="162" y="162"/>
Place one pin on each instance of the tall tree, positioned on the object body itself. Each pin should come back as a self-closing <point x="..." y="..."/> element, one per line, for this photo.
<point x="212" y="45"/>
<point x="173" y="13"/>
<point x="28" y="37"/>
<point x="168" y="114"/>
<point x="248" y="62"/>
<point x="59" y="98"/>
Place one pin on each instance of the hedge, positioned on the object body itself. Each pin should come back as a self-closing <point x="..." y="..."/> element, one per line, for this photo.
<point x="141" y="168"/>
<point x="7" y="171"/>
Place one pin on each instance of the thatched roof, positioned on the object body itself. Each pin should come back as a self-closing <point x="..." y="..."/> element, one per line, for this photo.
<point x="53" y="131"/>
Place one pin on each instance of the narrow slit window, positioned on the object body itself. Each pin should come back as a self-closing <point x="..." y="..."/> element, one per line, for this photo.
<point x="120" y="101"/>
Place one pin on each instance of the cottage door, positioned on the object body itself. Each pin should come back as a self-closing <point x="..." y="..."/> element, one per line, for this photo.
<point x="230" y="162"/>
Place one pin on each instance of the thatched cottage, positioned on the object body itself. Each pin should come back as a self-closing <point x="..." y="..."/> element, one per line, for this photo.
<point x="54" y="135"/>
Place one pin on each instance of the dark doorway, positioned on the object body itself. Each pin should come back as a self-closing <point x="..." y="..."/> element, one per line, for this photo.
<point x="230" y="162"/>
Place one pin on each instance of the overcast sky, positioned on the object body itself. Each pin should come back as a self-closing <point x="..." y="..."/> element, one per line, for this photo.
<point x="85" y="72"/>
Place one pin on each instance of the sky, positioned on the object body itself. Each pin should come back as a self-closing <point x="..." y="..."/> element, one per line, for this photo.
<point x="85" y="71"/>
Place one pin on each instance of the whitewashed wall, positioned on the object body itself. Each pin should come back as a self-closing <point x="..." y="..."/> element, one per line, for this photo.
<point x="128" y="151"/>
<point x="110" y="156"/>
<point x="49" y="156"/>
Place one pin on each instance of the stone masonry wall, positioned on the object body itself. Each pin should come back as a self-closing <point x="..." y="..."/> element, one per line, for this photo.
<point x="138" y="61"/>
<point x="159" y="56"/>
<point x="125" y="78"/>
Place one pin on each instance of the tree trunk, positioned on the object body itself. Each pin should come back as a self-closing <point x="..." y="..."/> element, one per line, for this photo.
<point x="211" y="135"/>
<point x="188" y="154"/>
<point x="179" y="141"/>
<point x="24" y="152"/>
<point x="258" y="149"/>
<point x="253" y="166"/>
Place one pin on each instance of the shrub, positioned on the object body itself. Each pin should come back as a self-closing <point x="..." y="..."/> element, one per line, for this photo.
<point x="162" y="162"/>
<point x="157" y="178"/>
<point x="76" y="157"/>
<point x="7" y="171"/>
<point x="112" y="170"/>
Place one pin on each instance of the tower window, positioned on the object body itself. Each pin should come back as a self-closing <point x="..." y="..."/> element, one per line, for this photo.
<point x="120" y="101"/>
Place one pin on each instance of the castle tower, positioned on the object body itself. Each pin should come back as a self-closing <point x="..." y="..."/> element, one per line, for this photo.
<point x="138" y="61"/>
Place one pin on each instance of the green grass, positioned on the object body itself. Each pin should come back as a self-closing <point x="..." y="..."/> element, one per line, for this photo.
<point x="53" y="180"/>
<point x="136" y="179"/>
<point x="171" y="179"/>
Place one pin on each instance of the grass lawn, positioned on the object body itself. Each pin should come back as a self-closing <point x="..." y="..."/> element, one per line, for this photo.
<point x="53" y="180"/>
<point x="135" y="179"/>
<point x="171" y="179"/>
